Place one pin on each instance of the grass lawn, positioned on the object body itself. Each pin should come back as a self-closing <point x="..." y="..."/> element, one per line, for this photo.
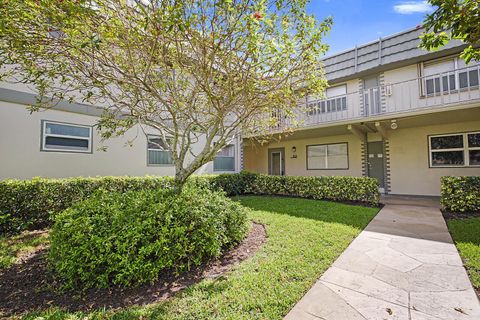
<point x="14" y="248"/>
<point x="304" y="238"/>
<point x="466" y="234"/>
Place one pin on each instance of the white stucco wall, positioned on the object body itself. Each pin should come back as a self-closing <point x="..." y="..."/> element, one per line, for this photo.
<point x="20" y="144"/>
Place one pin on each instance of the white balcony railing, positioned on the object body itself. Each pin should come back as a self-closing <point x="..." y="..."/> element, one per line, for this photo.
<point x="457" y="87"/>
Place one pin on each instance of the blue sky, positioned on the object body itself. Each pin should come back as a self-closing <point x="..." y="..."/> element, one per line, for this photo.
<point x="362" y="21"/>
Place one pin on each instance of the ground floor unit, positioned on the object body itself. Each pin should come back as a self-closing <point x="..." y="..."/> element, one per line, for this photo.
<point x="408" y="154"/>
<point x="64" y="142"/>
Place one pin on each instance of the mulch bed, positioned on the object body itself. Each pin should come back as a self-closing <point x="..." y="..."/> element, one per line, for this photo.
<point x="28" y="286"/>
<point x="447" y="215"/>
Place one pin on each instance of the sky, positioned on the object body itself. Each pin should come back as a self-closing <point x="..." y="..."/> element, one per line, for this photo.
<point x="356" y="22"/>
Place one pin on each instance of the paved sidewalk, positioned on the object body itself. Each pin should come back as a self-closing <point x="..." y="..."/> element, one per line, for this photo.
<point x="404" y="265"/>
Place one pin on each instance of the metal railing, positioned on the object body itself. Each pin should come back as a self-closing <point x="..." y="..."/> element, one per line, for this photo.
<point x="457" y="87"/>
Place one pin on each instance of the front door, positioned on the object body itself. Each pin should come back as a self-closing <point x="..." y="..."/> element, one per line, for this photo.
<point x="276" y="163"/>
<point x="376" y="162"/>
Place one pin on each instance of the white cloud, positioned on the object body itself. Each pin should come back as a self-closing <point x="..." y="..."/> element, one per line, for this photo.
<point x="410" y="7"/>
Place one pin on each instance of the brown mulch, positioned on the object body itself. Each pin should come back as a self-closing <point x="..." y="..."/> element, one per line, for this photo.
<point x="447" y="215"/>
<point x="28" y="286"/>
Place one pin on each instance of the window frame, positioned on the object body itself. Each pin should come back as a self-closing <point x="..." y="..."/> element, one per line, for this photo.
<point x="44" y="135"/>
<point x="465" y="149"/>
<point x="157" y="150"/>
<point x="234" y="159"/>
<point x="327" y="144"/>
<point x="455" y="72"/>
<point x="328" y="104"/>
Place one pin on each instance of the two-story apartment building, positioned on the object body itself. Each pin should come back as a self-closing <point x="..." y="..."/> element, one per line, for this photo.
<point x="393" y="111"/>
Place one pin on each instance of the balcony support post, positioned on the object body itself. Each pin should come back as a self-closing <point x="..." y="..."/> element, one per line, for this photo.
<point x="382" y="130"/>
<point x="357" y="131"/>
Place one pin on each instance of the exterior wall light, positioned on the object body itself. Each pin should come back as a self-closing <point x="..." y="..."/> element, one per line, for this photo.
<point x="294" y="152"/>
<point x="394" y="125"/>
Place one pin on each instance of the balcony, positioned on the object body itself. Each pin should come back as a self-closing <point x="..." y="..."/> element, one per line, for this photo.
<point x="456" y="87"/>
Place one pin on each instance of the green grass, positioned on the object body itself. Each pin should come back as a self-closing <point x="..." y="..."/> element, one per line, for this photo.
<point x="304" y="239"/>
<point x="466" y="234"/>
<point x="14" y="248"/>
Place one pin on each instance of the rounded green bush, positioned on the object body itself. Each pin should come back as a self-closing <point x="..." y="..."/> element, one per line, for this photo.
<point x="129" y="239"/>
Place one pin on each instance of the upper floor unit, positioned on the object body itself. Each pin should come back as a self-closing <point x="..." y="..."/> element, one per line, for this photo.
<point x="389" y="77"/>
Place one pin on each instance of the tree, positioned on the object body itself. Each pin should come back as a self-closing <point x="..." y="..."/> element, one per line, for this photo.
<point x="454" y="19"/>
<point x="194" y="71"/>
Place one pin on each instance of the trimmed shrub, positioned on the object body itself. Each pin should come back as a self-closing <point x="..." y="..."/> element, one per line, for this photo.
<point x="130" y="238"/>
<point x="233" y="183"/>
<point x="31" y="204"/>
<point x="355" y="189"/>
<point x="460" y="194"/>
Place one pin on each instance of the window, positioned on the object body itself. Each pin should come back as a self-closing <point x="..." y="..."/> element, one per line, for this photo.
<point x="225" y="159"/>
<point x="336" y="100"/>
<point x="439" y="76"/>
<point x="278" y="118"/>
<point x="157" y="151"/>
<point x="455" y="150"/>
<point x="449" y="74"/>
<point x="327" y="156"/>
<point x="57" y="136"/>
<point x="467" y="74"/>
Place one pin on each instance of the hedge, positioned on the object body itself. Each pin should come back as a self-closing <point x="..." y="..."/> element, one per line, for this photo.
<point x="460" y="194"/>
<point x="129" y="238"/>
<point x="31" y="204"/>
<point x="335" y="188"/>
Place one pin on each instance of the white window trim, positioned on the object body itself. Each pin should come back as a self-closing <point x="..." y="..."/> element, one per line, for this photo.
<point x="326" y="156"/>
<point x="456" y="72"/>
<point x="315" y="107"/>
<point x="333" y="101"/>
<point x="344" y="85"/>
<point x="234" y="159"/>
<point x="45" y="135"/>
<point x="465" y="149"/>
<point x="156" y="150"/>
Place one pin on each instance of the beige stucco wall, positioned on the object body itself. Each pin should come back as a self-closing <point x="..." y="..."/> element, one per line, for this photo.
<point x="408" y="150"/>
<point x="256" y="157"/>
<point x="409" y="159"/>
<point x="20" y="155"/>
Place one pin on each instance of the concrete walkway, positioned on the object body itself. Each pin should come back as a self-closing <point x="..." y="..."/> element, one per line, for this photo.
<point x="404" y="265"/>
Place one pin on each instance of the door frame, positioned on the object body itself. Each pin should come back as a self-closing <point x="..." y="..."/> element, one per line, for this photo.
<point x="366" y="92"/>
<point x="382" y="188"/>
<point x="281" y="151"/>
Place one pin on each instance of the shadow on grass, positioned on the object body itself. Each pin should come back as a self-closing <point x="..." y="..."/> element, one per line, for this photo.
<point x="357" y="216"/>
<point x="466" y="235"/>
<point x="465" y="230"/>
<point x="18" y="248"/>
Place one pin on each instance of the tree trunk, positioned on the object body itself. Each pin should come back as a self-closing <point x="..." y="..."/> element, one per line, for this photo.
<point x="179" y="181"/>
